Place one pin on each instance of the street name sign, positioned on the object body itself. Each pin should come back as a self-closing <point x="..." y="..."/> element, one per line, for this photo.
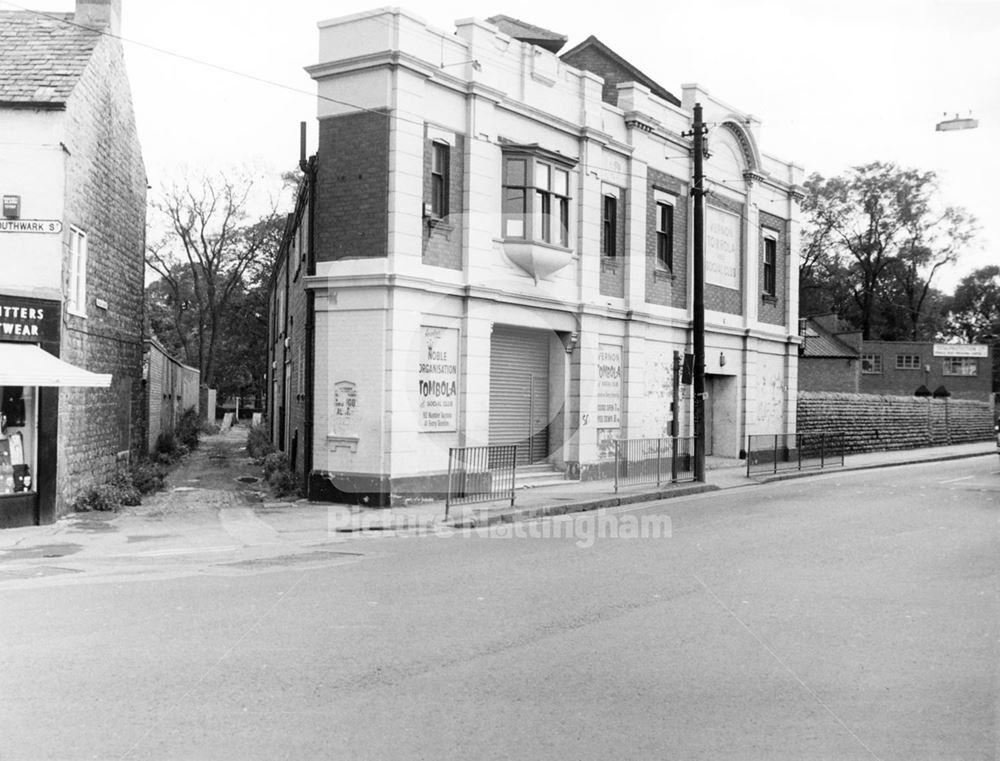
<point x="44" y="226"/>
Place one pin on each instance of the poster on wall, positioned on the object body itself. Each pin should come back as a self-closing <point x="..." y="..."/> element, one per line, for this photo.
<point x="609" y="398"/>
<point x="659" y="393"/>
<point x="722" y="248"/>
<point x="437" y="379"/>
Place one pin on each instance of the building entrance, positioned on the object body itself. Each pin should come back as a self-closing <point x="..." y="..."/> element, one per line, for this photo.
<point x="519" y="391"/>
<point x="721" y="415"/>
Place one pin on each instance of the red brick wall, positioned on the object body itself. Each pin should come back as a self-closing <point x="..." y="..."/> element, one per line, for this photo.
<point x="662" y="288"/>
<point x="106" y="198"/>
<point x="612" y="280"/>
<point x="597" y="63"/>
<point x="442" y="241"/>
<point x="353" y="186"/>
<point x="773" y="311"/>
<point x="829" y="374"/>
<point x="900" y="381"/>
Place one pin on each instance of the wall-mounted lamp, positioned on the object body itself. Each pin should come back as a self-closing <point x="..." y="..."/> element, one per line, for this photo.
<point x="722" y="359"/>
<point x="570" y="343"/>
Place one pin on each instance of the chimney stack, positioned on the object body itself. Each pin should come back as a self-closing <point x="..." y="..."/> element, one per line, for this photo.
<point x="102" y="15"/>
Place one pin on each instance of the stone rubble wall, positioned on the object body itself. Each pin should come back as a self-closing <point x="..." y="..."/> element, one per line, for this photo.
<point x="872" y="423"/>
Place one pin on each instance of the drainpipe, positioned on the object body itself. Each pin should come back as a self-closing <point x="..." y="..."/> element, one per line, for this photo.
<point x="309" y="168"/>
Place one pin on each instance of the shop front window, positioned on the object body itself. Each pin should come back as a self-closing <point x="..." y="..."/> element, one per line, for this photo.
<point x="18" y="434"/>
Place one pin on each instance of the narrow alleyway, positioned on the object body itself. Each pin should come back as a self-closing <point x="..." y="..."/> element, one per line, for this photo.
<point x="216" y="474"/>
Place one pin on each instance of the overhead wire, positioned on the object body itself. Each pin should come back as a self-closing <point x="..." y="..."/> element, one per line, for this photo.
<point x="398" y="112"/>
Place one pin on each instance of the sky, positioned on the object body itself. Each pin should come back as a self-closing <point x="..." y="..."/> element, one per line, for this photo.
<point x="220" y="84"/>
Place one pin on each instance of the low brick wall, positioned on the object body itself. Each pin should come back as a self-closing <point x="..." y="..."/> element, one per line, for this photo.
<point x="872" y="423"/>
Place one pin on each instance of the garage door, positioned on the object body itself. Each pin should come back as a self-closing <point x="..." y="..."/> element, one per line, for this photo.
<point x="519" y="391"/>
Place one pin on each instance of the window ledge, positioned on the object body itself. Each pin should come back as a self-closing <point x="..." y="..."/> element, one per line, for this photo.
<point x="537" y="259"/>
<point x="609" y="264"/>
<point x="334" y="441"/>
<point x="438" y="226"/>
<point x="768" y="299"/>
<point x="663" y="274"/>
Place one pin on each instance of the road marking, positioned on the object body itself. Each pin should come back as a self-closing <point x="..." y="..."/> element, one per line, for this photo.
<point x="953" y="480"/>
<point x="784" y="665"/>
<point x="175" y="551"/>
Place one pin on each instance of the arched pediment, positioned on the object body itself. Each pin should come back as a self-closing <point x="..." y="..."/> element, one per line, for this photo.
<point x="746" y="143"/>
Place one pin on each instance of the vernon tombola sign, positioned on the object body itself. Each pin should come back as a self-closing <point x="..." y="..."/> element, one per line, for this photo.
<point x="437" y="381"/>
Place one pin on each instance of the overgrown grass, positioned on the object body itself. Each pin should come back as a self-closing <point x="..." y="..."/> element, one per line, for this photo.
<point x="259" y="443"/>
<point x="280" y="477"/>
<point x="124" y="489"/>
<point x="146" y="476"/>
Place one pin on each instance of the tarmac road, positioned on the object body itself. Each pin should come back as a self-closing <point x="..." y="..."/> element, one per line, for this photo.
<point x="846" y="616"/>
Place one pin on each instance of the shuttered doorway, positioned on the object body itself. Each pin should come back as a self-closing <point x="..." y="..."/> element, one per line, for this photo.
<point x="519" y="391"/>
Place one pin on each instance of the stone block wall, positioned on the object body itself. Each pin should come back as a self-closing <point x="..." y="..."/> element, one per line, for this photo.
<point x="106" y="199"/>
<point x="873" y="423"/>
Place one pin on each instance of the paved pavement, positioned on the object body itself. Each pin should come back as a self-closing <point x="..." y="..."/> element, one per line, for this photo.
<point x="214" y="502"/>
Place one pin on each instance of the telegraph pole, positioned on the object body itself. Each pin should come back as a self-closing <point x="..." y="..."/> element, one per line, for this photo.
<point x="698" y="193"/>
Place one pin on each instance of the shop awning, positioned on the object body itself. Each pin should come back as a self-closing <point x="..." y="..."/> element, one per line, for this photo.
<point x="30" y="365"/>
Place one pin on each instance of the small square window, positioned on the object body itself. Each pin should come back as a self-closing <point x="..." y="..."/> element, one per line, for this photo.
<point x="907" y="361"/>
<point x="871" y="364"/>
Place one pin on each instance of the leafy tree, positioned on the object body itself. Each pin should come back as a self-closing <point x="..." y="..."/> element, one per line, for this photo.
<point x="210" y="260"/>
<point x="874" y="241"/>
<point x="974" y="313"/>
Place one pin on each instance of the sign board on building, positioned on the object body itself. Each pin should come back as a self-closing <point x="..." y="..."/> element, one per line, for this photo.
<point x="961" y="350"/>
<point x="437" y="379"/>
<point x="609" y="398"/>
<point x="44" y="226"/>
<point x="722" y="248"/>
<point x="29" y="320"/>
<point x="11" y="207"/>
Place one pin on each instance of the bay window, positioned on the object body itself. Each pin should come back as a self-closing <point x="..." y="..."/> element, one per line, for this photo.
<point x="536" y="196"/>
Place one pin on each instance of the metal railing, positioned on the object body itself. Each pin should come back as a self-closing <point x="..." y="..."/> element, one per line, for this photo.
<point x="646" y="461"/>
<point x="480" y="474"/>
<point x="771" y="453"/>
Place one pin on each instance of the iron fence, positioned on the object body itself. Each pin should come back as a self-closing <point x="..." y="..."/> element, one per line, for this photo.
<point x="480" y="474"/>
<point x="771" y="453"/>
<point x="646" y="461"/>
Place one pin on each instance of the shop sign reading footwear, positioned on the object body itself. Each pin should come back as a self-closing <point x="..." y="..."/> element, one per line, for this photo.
<point x="29" y="320"/>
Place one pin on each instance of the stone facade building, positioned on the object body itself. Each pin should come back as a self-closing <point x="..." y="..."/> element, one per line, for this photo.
<point x="71" y="240"/>
<point x="497" y="251"/>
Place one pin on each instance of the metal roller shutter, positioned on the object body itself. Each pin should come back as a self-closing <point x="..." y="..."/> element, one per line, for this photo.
<point x="519" y="391"/>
